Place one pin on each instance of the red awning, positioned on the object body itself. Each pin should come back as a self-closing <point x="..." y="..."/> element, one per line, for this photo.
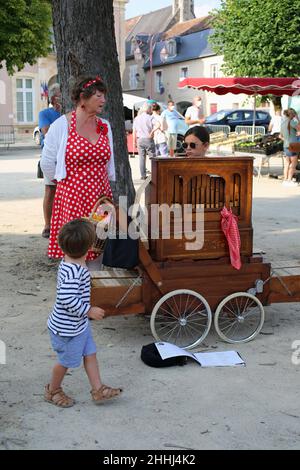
<point x="249" y="85"/>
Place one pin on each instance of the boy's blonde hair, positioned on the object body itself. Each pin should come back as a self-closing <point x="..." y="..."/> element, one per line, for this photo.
<point x="75" y="238"/>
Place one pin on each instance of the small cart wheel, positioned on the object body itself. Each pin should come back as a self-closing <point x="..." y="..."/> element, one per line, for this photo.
<point x="239" y="318"/>
<point x="182" y="317"/>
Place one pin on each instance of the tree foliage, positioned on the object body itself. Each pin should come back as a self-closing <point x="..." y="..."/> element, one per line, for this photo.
<point x="24" y="32"/>
<point x="258" y="38"/>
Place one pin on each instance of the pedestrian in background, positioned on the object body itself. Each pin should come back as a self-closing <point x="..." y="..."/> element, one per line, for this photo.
<point x="160" y="140"/>
<point x="143" y="126"/>
<point x="46" y="118"/>
<point x="170" y="119"/>
<point x="275" y="123"/>
<point x="288" y="133"/>
<point x="194" y="115"/>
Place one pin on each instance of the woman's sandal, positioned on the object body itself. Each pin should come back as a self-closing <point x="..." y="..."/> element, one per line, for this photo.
<point x="58" y="397"/>
<point x="104" y="393"/>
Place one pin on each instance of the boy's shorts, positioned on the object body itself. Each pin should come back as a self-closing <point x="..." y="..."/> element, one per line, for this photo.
<point x="71" y="349"/>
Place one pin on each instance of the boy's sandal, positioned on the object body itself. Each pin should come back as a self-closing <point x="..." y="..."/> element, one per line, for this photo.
<point x="58" y="397"/>
<point x="105" y="393"/>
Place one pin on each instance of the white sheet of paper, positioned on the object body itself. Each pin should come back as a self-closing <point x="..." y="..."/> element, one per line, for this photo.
<point x="167" y="350"/>
<point x="219" y="359"/>
<point x="205" y="359"/>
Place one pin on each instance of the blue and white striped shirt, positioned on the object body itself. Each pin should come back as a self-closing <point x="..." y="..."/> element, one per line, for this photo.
<point x="69" y="314"/>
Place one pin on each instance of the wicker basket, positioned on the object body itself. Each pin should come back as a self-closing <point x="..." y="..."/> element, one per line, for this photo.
<point x="101" y="219"/>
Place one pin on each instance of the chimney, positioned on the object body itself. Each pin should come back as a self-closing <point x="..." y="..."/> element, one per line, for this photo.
<point x="175" y="7"/>
<point x="186" y="10"/>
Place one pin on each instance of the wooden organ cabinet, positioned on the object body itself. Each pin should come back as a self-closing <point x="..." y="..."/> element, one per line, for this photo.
<point x="209" y="184"/>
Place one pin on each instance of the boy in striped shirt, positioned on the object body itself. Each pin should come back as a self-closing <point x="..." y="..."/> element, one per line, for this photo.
<point x="68" y="323"/>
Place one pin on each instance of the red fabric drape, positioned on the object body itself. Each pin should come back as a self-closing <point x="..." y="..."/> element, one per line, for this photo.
<point x="231" y="231"/>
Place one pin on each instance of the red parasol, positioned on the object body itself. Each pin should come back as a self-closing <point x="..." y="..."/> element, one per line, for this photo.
<point x="247" y="85"/>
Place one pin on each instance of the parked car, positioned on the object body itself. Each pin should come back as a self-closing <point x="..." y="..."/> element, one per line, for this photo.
<point x="238" y="117"/>
<point x="36" y="135"/>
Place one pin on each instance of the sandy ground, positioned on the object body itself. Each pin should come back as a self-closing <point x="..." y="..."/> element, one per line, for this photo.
<point x="256" y="407"/>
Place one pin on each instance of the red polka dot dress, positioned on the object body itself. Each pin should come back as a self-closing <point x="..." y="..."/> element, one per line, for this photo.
<point x="85" y="182"/>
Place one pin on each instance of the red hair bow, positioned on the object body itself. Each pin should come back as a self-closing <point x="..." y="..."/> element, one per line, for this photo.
<point x="92" y="82"/>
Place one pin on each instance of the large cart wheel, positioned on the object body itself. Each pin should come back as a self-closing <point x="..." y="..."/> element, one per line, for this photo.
<point x="239" y="318"/>
<point x="182" y="317"/>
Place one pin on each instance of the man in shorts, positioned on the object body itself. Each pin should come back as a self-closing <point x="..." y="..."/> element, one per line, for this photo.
<point x="170" y="121"/>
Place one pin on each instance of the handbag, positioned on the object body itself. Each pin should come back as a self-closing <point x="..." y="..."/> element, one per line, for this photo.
<point x="294" y="147"/>
<point x="40" y="174"/>
<point x="121" y="252"/>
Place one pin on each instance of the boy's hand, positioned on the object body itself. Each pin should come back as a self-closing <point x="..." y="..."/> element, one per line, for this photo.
<point x="96" y="313"/>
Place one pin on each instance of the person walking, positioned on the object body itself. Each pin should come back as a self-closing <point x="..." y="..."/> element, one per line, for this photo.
<point x="160" y="140"/>
<point x="288" y="133"/>
<point x="194" y="115"/>
<point x="46" y="118"/>
<point x="142" y="135"/>
<point x="275" y="123"/>
<point x="170" y="121"/>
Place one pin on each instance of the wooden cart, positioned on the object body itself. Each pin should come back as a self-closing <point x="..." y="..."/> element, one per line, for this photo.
<point x="179" y="286"/>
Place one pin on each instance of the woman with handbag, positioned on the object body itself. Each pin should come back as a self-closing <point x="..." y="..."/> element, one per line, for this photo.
<point x="78" y="155"/>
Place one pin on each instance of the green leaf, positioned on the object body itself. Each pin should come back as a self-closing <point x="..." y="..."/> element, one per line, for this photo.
<point x="25" y="32"/>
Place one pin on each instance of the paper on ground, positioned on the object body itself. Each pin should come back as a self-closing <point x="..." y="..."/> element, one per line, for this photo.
<point x="205" y="359"/>
<point x="219" y="359"/>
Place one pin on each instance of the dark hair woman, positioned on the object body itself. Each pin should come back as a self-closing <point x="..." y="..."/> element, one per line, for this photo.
<point x="196" y="141"/>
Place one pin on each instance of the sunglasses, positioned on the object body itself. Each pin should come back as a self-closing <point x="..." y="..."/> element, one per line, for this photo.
<point x="185" y="145"/>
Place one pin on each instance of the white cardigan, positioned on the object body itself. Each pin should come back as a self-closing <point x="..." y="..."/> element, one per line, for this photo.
<point x="53" y="154"/>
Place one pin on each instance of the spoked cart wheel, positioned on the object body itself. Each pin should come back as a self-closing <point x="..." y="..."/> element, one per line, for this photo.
<point x="239" y="318"/>
<point x="182" y="317"/>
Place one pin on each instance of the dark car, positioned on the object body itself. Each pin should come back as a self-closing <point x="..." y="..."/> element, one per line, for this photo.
<point x="238" y="117"/>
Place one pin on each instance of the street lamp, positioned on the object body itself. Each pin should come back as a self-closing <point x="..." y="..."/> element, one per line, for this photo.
<point x="143" y="51"/>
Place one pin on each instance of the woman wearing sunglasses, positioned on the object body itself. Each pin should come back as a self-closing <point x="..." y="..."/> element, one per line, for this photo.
<point x="196" y="142"/>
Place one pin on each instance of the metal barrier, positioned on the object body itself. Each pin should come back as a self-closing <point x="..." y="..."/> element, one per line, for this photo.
<point x="217" y="128"/>
<point x="7" y="135"/>
<point x="249" y="130"/>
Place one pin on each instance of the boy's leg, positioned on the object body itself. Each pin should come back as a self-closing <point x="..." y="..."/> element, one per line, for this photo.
<point x="99" y="392"/>
<point x="58" y="373"/>
<point x="92" y="370"/>
<point x="53" y="392"/>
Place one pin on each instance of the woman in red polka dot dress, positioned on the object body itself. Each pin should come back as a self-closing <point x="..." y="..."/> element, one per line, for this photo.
<point x="80" y="146"/>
